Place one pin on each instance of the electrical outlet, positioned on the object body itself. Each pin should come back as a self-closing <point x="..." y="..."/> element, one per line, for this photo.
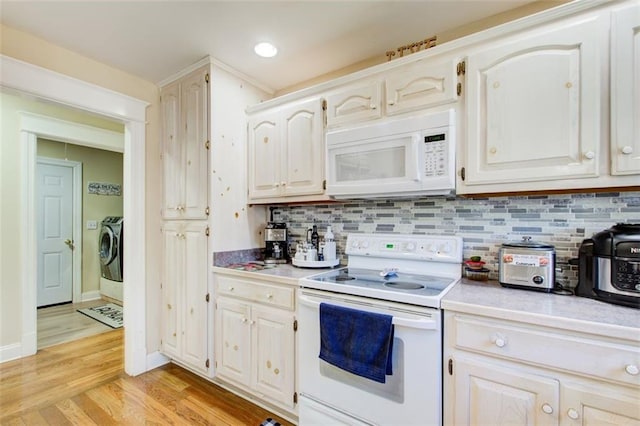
<point x="92" y="224"/>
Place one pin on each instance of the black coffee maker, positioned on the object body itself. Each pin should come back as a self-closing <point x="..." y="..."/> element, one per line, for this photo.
<point x="275" y="239"/>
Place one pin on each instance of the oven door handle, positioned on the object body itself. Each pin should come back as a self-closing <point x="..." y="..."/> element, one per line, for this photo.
<point x="422" y="324"/>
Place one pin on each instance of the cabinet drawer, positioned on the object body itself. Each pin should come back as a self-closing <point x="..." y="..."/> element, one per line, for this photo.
<point x="271" y="295"/>
<point x="571" y="352"/>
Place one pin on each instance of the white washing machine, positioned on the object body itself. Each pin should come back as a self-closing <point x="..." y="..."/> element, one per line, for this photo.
<point x="110" y="248"/>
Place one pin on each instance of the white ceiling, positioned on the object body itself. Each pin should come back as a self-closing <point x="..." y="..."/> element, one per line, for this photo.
<point x="156" y="39"/>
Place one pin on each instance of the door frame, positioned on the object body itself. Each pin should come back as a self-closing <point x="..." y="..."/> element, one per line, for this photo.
<point x="67" y="91"/>
<point x="76" y="208"/>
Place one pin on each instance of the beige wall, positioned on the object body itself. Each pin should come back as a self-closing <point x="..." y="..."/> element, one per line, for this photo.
<point x="443" y="37"/>
<point x="97" y="166"/>
<point x="34" y="50"/>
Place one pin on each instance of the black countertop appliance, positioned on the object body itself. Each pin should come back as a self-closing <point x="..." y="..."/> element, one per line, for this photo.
<point x="609" y="266"/>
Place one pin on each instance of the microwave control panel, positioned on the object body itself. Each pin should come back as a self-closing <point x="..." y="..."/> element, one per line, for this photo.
<point x="436" y="157"/>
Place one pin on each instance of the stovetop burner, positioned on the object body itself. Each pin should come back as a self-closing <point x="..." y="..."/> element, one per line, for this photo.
<point x="404" y="285"/>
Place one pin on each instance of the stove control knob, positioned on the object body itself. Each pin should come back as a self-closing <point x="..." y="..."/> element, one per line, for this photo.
<point x="410" y="247"/>
<point x="445" y="248"/>
<point x="365" y="244"/>
<point x="355" y="244"/>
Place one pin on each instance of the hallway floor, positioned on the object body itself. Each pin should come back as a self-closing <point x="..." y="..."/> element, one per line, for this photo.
<point x="63" y="323"/>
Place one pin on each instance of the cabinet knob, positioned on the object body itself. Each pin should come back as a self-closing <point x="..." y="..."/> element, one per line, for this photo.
<point x="269" y="296"/>
<point x="632" y="369"/>
<point x="626" y="150"/>
<point x="252" y="322"/>
<point x="231" y="288"/>
<point x="547" y="408"/>
<point x="373" y="106"/>
<point x="573" y="414"/>
<point x="500" y="342"/>
<point x="589" y="155"/>
<point x="168" y="305"/>
<point x="493" y="150"/>
<point x="244" y="320"/>
<point x="392" y="102"/>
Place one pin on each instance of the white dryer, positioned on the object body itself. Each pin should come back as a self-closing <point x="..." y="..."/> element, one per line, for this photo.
<point x="110" y="248"/>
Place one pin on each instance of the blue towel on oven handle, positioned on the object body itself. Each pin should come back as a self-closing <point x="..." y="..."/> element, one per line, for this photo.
<point x="357" y="341"/>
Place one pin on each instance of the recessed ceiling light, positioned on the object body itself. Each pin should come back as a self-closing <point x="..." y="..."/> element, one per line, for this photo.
<point x="266" y="50"/>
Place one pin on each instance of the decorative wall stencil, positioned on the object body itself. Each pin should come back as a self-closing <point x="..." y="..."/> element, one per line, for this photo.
<point x="101" y="188"/>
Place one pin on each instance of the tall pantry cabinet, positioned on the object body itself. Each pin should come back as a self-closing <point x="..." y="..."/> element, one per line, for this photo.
<point x="186" y="311"/>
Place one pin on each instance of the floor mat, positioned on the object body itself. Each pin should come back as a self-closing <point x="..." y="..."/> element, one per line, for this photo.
<point x="109" y="314"/>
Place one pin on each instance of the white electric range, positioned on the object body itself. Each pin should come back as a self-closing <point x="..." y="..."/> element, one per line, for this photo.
<point x="405" y="277"/>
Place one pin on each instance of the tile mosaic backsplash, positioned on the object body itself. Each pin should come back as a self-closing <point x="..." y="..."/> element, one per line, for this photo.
<point x="484" y="223"/>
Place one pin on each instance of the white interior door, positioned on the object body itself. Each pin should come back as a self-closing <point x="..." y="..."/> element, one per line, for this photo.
<point x="55" y="233"/>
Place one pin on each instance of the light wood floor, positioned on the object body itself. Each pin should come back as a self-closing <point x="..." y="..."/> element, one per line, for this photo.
<point x="83" y="383"/>
<point x="63" y="323"/>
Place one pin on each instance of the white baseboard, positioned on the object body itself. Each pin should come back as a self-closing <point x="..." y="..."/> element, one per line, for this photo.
<point x="90" y="295"/>
<point x="10" y="352"/>
<point x="155" y="360"/>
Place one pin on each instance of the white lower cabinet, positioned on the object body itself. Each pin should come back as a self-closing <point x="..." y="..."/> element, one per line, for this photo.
<point x="497" y="372"/>
<point x="185" y="305"/>
<point x="254" y="338"/>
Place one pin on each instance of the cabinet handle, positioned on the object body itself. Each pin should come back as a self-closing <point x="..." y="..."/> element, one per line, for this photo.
<point x="573" y="414"/>
<point x="589" y="155"/>
<point x="626" y="150"/>
<point x="547" y="408"/>
<point x="500" y="342"/>
<point x="632" y="369"/>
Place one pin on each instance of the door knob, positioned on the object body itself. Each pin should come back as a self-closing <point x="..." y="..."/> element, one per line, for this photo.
<point x="69" y="243"/>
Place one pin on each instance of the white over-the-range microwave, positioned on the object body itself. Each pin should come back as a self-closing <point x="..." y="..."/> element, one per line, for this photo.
<point x="413" y="156"/>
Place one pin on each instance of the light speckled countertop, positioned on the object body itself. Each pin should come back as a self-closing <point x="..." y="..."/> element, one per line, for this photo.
<point x="492" y="300"/>
<point x="568" y="312"/>
<point x="285" y="274"/>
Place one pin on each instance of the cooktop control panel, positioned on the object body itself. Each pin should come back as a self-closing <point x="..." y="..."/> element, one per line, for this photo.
<point x="441" y="248"/>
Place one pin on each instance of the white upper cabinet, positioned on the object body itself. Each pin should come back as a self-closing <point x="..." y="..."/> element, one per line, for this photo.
<point x="358" y="102"/>
<point x="286" y="152"/>
<point x="625" y="90"/>
<point x="185" y="139"/>
<point x="534" y="106"/>
<point x="417" y="85"/>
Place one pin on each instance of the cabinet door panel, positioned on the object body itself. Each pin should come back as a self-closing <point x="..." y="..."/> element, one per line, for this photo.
<point x="354" y="104"/>
<point x="273" y="348"/>
<point x="233" y="341"/>
<point x="598" y="404"/>
<point x="420" y="85"/>
<point x="195" y="103"/>
<point x="172" y="151"/>
<point x="534" y="107"/>
<point x="264" y="157"/>
<point x="171" y="288"/>
<point x="303" y="148"/>
<point x="196" y="324"/>
<point x="490" y="395"/>
<point x="625" y="90"/>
